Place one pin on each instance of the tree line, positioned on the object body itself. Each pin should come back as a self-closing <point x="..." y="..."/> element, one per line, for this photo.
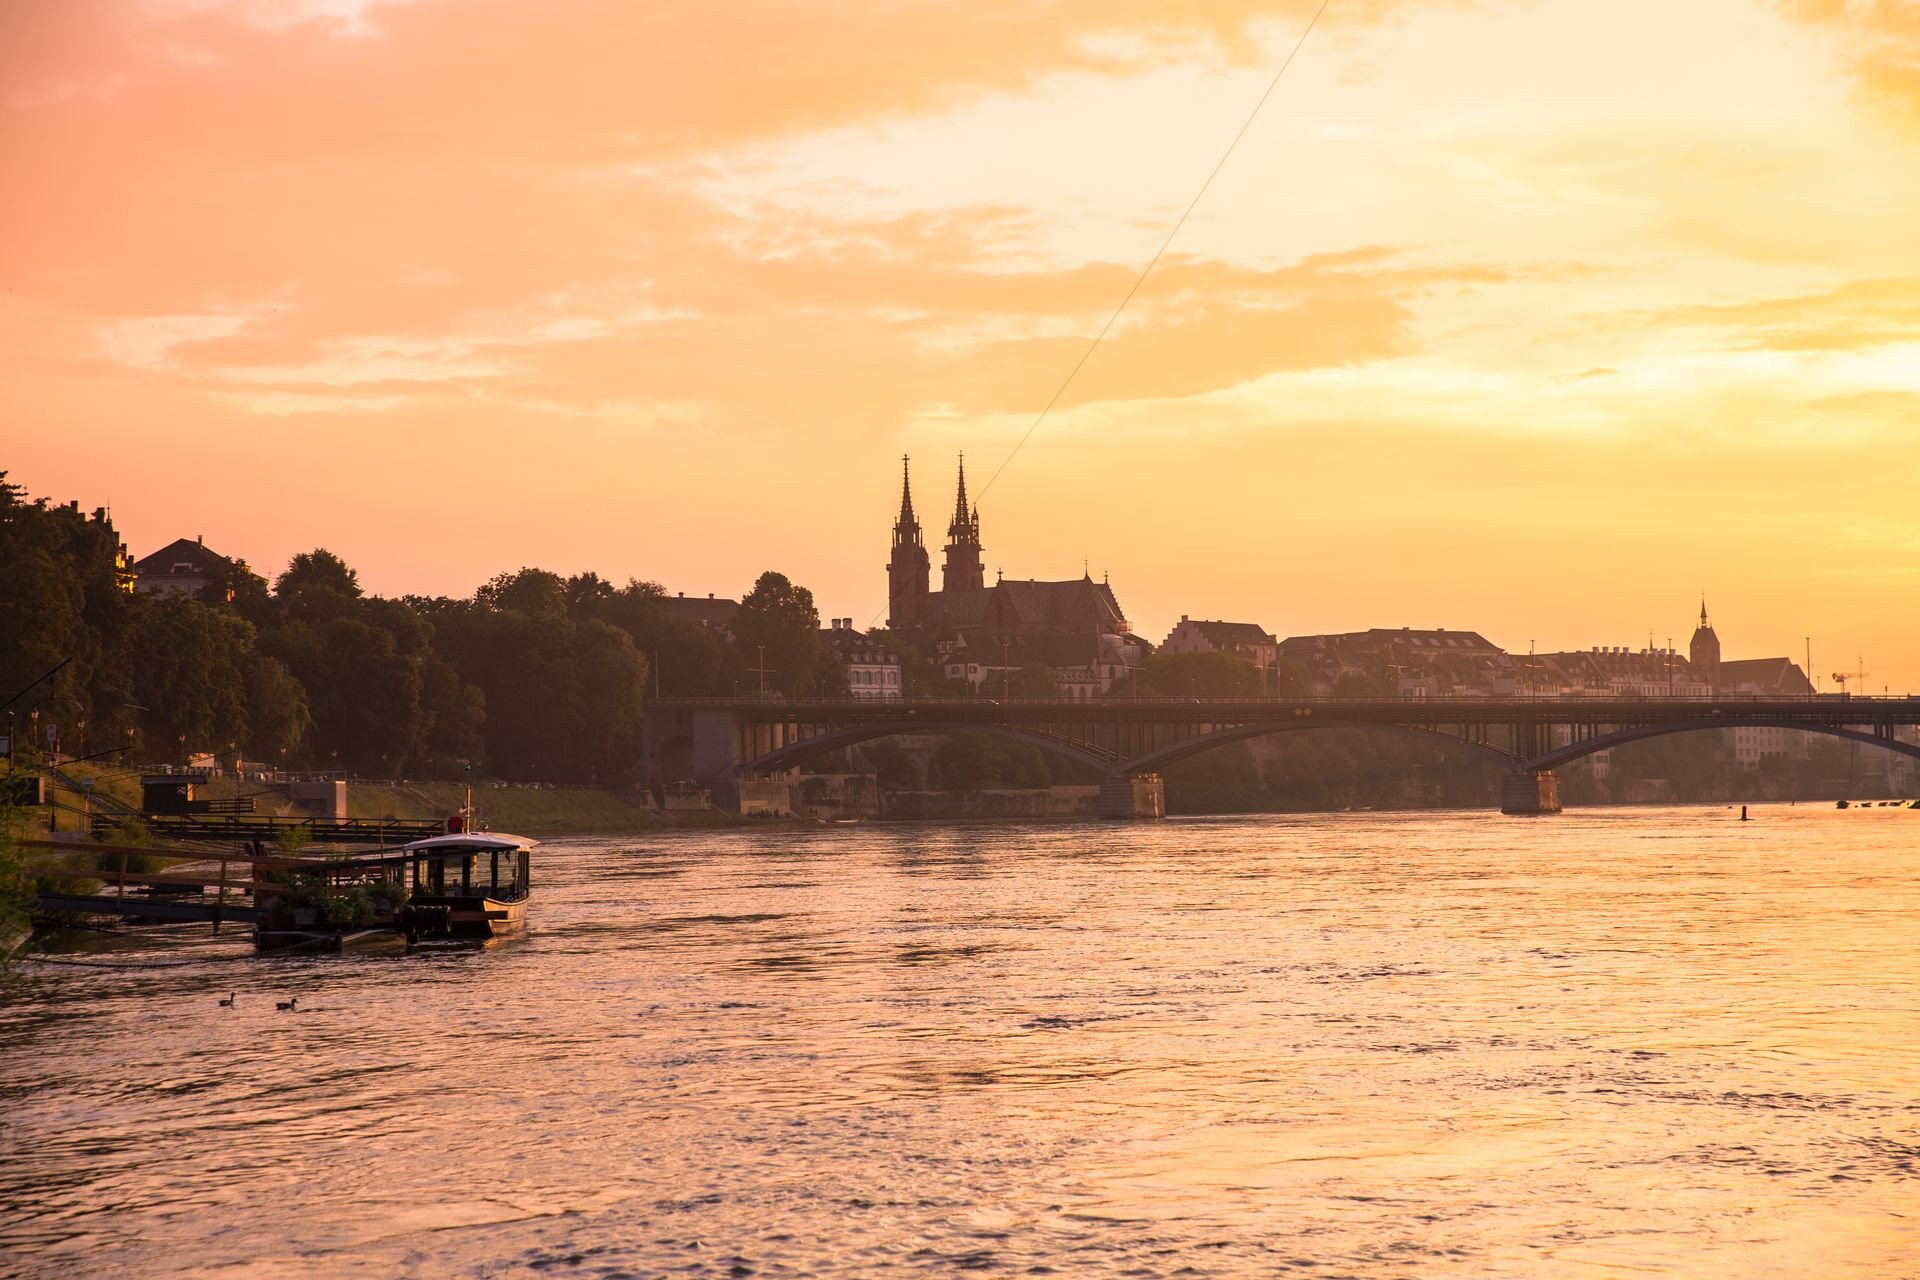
<point x="535" y="677"/>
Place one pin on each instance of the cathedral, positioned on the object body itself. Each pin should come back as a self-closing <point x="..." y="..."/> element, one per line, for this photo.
<point x="1050" y="622"/>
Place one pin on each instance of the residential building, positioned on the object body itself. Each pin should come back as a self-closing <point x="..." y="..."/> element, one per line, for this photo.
<point x="190" y="569"/>
<point x="872" y="670"/>
<point x="1240" y="639"/>
<point x="711" y="613"/>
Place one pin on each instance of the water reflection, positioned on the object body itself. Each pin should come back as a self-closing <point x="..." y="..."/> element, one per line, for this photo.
<point x="1655" y="1041"/>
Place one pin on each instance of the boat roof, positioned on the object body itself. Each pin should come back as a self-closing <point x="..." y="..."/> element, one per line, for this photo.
<point x="481" y="841"/>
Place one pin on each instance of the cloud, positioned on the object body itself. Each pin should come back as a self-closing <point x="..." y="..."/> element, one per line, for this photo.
<point x="1859" y="315"/>
<point x="1880" y="42"/>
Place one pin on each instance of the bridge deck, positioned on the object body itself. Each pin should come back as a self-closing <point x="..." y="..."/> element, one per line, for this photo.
<point x="1814" y="708"/>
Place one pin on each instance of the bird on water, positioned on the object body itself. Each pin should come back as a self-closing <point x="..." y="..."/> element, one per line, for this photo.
<point x="286" y="1004"/>
<point x="228" y="1002"/>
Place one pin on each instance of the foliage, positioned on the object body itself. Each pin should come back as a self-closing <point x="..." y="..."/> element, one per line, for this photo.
<point x="535" y="678"/>
<point x="920" y="675"/>
<point x="1035" y="680"/>
<point x="1193" y="675"/>
<point x="349" y="909"/>
<point x="973" y="761"/>
<point x="16" y="889"/>
<point x="778" y="627"/>
<point x="190" y="675"/>
<point x="316" y="583"/>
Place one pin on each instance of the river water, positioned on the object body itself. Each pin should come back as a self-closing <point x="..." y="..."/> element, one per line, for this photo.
<point x="1613" y="1042"/>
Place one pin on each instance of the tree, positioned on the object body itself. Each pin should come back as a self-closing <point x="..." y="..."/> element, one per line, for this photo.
<point x="191" y="675"/>
<point x="920" y="675"/>
<point x="562" y="694"/>
<point x="778" y="627"/>
<point x="278" y="718"/>
<point x="1195" y="675"/>
<point x="1034" y="680"/>
<point x="316" y="584"/>
<point x="973" y="761"/>
<point x="16" y="888"/>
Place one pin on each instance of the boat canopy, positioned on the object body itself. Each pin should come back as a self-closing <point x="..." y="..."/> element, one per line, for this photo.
<point x="468" y="841"/>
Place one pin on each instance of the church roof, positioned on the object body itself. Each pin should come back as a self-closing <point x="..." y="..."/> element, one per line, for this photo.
<point x="1765" y="675"/>
<point x="1079" y="604"/>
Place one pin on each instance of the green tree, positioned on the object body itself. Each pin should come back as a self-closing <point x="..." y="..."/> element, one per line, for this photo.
<point x="562" y="694"/>
<point x="778" y="625"/>
<point x="16" y="888"/>
<point x="920" y="675"/>
<point x="973" y="761"/>
<point x="1034" y="680"/>
<point x="317" y="584"/>
<point x="278" y="718"/>
<point x="1195" y="675"/>
<point x="191" y="675"/>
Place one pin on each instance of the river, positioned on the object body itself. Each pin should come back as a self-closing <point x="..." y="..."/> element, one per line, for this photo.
<point x="1649" y="1042"/>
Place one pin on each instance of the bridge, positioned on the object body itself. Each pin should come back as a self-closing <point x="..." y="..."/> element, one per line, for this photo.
<point x="726" y="744"/>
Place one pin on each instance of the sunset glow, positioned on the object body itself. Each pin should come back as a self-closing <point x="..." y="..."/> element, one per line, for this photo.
<point x="1533" y="318"/>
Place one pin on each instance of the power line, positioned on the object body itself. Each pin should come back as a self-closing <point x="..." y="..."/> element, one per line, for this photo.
<point x="1158" y="253"/>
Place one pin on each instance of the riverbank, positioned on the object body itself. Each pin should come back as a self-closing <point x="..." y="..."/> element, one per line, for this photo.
<point x="533" y="811"/>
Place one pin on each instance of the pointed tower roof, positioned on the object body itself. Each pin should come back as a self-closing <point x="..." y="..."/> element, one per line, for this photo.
<point x="906" y="493"/>
<point x="960" y="501"/>
<point x="966" y="517"/>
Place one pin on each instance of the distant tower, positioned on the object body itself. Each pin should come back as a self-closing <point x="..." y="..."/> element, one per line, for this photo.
<point x="908" y="570"/>
<point x="1704" y="651"/>
<point x="964" y="570"/>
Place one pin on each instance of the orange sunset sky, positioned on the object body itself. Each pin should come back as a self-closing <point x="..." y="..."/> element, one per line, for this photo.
<point x="1536" y="318"/>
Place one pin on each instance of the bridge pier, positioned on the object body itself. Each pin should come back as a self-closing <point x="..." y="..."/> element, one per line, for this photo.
<point x="1141" y="795"/>
<point x="1529" y="793"/>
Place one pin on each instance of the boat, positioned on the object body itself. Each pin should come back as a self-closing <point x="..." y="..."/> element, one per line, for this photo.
<point x="464" y="887"/>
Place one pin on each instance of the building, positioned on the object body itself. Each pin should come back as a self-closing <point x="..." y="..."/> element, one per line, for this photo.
<point x="1404" y="662"/>
<point x="872" y="670"/>
<point x="1075" y="626"/>
<point x="711" y="613"/>
<point x="1084" y="665"/>
<point x="190" y="569"/>
<point x="1240" y="639"/>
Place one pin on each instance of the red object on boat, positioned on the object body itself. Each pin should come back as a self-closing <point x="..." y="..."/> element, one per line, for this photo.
<point x="456" y="823"/>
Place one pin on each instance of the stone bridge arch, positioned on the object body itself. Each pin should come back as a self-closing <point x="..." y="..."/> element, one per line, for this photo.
<point x="797" y="753"/>
<point x="1640" y="733"/>
<point x="1173" y="753"/>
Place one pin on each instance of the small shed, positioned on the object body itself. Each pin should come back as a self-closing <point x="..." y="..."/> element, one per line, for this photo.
<point x="169" y="792"/>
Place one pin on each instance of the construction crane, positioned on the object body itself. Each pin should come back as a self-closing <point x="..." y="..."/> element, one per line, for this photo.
<point x="1841" y="677"/>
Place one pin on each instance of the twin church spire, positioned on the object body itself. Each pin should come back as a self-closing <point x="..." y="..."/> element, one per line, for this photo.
<point x="908" y="572"/>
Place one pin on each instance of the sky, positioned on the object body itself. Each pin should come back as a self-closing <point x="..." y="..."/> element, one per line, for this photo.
<point x="1534" y="317"/>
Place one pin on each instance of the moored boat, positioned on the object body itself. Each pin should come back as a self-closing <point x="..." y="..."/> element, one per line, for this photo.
<point x="463" y="888"/>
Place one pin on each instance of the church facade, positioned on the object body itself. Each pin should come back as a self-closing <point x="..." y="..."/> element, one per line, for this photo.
<point x="1075" y="626"/>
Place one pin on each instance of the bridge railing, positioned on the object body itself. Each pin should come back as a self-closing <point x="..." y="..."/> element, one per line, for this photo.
<point x="1465" y="699"/>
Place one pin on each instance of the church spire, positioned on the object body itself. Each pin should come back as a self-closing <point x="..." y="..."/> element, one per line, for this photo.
<point x="908" y="569"/>
<point x="960" y="512"/>
<point x="1703" y="608"/>
<point x="963" y="570"/>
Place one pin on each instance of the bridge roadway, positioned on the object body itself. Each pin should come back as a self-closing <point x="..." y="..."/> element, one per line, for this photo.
<point x="717" y="742"/>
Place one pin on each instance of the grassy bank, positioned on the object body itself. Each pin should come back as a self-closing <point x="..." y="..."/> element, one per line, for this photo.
<point x="521" y="810"/>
